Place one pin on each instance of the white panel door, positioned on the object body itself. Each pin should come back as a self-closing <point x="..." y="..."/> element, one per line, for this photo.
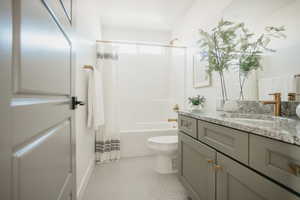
<point x="43" y="140"/>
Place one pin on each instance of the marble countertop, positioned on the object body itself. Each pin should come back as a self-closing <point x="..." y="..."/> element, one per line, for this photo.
<point x="278" y="128"/>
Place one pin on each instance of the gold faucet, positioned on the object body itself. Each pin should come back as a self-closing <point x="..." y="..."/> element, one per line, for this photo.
<point x="276" y="102"/>
<point x="176" y="108"/>
<point x="292" y="96"/>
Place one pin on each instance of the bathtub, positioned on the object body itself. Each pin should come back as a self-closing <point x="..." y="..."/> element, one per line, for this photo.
<point x="134" y="142"/>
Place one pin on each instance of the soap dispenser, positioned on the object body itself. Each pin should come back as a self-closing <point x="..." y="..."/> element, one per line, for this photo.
<point x="298" y="110"/>
<point x="292" y="97"/>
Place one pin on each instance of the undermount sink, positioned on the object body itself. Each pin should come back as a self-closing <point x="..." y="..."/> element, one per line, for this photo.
<point x="254" y="121"/>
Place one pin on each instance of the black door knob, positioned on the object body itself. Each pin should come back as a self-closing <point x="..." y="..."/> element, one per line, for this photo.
<point x="75" y="103"/>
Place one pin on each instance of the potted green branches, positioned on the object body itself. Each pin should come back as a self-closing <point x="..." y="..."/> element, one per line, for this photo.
<point x="196" y="102"/>
<point x="232" y="44"/>
<point x="218" y="48"/>
<point x="250" y="50"/>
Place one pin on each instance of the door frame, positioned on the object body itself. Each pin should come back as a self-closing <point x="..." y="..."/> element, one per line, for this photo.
<point x="5" y="98"/>
<point x="73" y="93"/>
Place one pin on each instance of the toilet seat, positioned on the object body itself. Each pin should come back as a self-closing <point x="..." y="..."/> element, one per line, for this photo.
<point x="163" y="144"/>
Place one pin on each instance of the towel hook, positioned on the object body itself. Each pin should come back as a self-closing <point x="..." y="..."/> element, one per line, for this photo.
<point x="88" y="67"/>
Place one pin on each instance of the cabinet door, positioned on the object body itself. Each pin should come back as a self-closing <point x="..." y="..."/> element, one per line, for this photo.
<point x="196" y="168"/>
<point x="236" y="182"/>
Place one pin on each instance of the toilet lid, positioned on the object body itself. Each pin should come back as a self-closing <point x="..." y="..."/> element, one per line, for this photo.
<point x="164" y="139"/>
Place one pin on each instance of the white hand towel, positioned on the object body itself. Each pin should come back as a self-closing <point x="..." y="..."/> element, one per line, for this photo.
<point x="95" y="99"/>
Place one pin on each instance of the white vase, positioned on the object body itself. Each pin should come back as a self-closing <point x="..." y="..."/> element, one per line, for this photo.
<point x="298" y="110"/>
<point x="196" y="108"/>
<point x="230" y="106"/>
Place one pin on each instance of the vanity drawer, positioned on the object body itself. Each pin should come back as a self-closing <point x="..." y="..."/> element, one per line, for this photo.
<point x="232" y="142"/>
<point x="280" y="161"/>
<point x="188" y="125"/>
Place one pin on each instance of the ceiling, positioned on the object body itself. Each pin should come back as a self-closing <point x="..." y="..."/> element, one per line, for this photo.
<point x="143" y="14"/>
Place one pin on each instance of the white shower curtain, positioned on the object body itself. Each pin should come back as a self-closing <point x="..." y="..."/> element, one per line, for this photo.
<point x="107" y="144"/>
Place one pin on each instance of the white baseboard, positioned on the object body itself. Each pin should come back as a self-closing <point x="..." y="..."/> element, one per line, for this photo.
<point x="85" y="179"/>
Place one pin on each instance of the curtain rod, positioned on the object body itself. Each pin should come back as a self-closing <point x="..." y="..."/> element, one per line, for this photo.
<point x="138" y="43"/>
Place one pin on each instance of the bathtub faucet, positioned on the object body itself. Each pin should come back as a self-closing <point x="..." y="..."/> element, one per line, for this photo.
<point x="176" y="108"/>
<point x="172" y="120"/>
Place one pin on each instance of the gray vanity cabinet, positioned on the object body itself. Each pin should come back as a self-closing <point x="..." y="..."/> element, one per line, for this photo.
<point x="196" y="168"/>
<point x="216" y="167"/>
<point x="236" y="182"/>
<point x="227" y="140"/>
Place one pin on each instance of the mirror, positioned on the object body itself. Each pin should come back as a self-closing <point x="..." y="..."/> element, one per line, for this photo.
<point x="279" y="69"/>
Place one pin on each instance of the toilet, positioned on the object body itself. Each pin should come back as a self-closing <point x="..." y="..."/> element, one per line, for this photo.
<point x="165" y="148"/>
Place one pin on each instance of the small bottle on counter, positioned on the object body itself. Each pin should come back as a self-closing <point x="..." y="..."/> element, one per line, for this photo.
<point x="298" y="110"/>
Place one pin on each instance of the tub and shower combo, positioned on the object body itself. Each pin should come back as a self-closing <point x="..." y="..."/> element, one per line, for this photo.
<point x="146" y="95"/>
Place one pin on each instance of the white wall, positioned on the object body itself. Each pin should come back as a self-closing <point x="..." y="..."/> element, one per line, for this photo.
<point x="177" y="78"/>
<point x="88" y="31"/>
<point x="143" y="87"/>
<point x="256" y="15"/>
<point x="131" y="34"/>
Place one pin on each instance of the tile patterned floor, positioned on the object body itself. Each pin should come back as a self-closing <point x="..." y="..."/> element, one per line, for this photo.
<point x="133" y="179"/>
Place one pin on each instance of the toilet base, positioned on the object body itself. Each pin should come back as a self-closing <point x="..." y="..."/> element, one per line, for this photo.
<point x="166" y="164"/>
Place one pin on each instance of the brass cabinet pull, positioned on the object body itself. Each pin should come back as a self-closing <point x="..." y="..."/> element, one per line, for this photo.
<point x="218" y="167"/>
<point x="210" y="161"/>
<point x="295" y="169"/>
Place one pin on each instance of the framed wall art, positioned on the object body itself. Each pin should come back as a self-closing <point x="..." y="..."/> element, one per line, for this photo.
<point x="200" y="76"/>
